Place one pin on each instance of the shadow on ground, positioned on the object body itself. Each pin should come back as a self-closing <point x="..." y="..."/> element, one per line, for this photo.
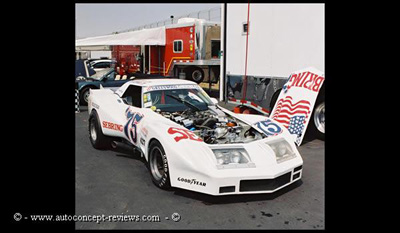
<point x="229" y="199"/>
<point x="209" y="199"/>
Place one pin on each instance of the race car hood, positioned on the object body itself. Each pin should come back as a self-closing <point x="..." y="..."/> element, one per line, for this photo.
<point x="193" y="154"/>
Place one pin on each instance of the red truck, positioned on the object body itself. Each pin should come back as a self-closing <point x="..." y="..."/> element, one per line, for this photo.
<point x="191" y="51"/>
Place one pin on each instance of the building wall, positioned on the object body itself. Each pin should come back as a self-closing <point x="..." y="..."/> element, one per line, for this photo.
<point x="282" y="38"/>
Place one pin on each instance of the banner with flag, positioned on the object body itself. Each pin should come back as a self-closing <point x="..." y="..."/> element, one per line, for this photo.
<point x="296" y="101"/>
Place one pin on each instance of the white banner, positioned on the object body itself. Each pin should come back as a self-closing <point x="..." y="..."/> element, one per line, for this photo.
<point x="295" y="103"/>
<point x="151" y="36"/>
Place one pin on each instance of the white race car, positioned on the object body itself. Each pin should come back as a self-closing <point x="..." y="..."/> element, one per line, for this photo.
<point x="190" y="142"/>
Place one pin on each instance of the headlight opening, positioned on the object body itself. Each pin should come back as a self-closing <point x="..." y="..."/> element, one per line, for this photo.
<point x="282" y="149"/>
<point x="232" y="158"/>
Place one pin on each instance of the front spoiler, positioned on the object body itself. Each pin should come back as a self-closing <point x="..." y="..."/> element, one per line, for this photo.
<point x="243" y="185"/>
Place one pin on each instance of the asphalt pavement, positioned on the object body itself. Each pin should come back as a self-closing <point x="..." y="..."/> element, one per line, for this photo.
<point x="115" y="183"/>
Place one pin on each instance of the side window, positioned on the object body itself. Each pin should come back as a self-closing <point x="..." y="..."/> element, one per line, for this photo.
<point x="133" y="96"/>
<point x="101" y="65"/>
<point x="178" y="46"/>
<point x="111" y="76"/>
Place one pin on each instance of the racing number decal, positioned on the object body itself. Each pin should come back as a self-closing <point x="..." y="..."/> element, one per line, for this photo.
<point x="269" y="128"/>
<point x="183" y="134"/>
<point x="130" y="128"/>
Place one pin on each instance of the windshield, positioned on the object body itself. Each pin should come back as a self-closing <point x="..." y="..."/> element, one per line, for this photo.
<point x="99" y="74"/>
<point x="177" y="100"/>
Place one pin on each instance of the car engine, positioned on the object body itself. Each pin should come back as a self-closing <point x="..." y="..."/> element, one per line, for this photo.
<point x="214" y="127"/>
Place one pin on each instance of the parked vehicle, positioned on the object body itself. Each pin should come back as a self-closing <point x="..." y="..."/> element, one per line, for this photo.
<point x="264" y="44"/>
<point x="105" y="78"/>
<point x="189" y="49"/>
<point x="190" y="142"/>
<point x="102" y="64"/>
<point x="83" y="69"/>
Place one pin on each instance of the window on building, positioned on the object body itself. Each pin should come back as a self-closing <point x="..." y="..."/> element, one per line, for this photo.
<point x="178" y="46"/>
<point x="245" y="28"/>
<point x="215" y="48"/>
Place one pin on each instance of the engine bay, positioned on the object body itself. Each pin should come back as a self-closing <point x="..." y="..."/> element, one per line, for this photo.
<point x="214" y="126"/>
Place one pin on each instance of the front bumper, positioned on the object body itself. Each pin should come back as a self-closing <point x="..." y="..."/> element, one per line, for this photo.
<point x="267" y="185"/>
<point x="241" y="184"/>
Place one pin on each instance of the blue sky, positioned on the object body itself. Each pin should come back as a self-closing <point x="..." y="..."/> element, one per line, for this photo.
<point x="102" y="19"/>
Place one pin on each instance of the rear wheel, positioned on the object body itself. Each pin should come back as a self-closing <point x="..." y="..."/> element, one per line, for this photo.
<point x="96" y="136"/>
<point x="158" y="165"/>
<point x="317" y="120"/>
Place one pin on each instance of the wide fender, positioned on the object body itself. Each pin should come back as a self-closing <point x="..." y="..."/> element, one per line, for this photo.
<point x="186" y="155"/>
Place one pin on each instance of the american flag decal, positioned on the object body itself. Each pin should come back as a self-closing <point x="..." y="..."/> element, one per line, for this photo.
<point x="292" y="115"/>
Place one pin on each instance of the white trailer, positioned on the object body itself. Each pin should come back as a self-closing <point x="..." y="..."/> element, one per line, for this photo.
<point x="281" y="39"/>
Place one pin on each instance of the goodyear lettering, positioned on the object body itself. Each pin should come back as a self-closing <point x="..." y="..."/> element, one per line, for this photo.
<point x="192" y="181"/>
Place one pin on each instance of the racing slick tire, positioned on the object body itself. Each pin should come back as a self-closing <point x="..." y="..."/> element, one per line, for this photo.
<point x="158" y="165"/>
<point x="274" y="99"/>
<point x="317" y="120"/>
<point x="96" y="136"/>
<point x="195" y="74"/>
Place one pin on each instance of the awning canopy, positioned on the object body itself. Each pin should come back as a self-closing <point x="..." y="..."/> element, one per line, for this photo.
<point x="152" y="36"/>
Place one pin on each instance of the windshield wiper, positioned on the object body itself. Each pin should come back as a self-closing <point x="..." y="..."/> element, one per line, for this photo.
<point x="185" y="102"/>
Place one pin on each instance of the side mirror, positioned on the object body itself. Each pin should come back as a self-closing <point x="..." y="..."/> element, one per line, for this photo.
<point x="214" y="100"/>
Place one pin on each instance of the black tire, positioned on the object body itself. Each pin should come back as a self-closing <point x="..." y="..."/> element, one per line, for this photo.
<point x="274" y="99"/>
<point x="83" y="95"/>
<point x="96" y="136"/>
<point x="317" y="120"/>
<point x="158" y="165"/>
<point x="195" y="74"/>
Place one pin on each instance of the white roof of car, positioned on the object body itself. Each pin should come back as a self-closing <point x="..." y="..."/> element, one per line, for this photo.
<point x="101" y="60"/>
<point x="163" y="81"/>
<point x="154" y="82"/>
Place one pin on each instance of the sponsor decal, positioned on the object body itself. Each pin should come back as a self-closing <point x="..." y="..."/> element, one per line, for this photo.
<point x="170" y="87"/>
<point x="148" y="104"/>
<point x="306" y="79"/>
<point x="95" y="105"/>
<point x="183" y="134"/>
<point x="142" y="141"/>
<point x="130" y="128"/>
<point x="113" y="126"/>
<point x="147" y="97"/>
<point x="144" y="132"/>
<point x="192" y="181"/>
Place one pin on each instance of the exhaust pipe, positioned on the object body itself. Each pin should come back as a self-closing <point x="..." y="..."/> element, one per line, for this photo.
<point x="121" y="145"/>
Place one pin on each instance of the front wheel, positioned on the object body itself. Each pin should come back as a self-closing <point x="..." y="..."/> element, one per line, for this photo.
<point x="158" y="165"/>
<point x="318" y="120"/>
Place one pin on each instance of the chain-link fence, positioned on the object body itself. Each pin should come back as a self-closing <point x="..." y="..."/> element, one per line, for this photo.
<point x="213" y="14"/>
